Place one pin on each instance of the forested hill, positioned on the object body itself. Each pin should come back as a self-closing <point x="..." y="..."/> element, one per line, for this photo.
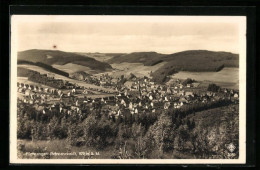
<point x="60" y="57"/>
<point x="194" y="61"/>
<point x="147" y="58"/>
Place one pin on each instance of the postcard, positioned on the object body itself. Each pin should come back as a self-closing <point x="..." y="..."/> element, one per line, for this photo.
<point x="124" y="89"/>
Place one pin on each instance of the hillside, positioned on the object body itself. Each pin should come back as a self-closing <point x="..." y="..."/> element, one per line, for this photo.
<point x="45" y="67"/>
<point x="147" y="58"/>
<point x="195" y="61"/>
<point x="60" y="58"/>
<point x="80" y="75"/>
<point x="103" y="57"/>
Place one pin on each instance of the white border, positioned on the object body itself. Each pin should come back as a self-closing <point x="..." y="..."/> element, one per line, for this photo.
<point x="16" y="19"/>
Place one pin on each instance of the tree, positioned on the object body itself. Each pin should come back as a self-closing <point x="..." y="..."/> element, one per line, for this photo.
<point x="98" y="132"/>
<point x="213" y="88"/>
<point x="24" y="127"/>
<point x="182" y="137"/>
<point x="137" y="131"/>
<point x="141" y="148"/>
<point x="162" y="132"/>
<point x="187" y="81"/>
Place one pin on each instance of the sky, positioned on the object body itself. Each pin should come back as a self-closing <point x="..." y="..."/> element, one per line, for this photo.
<point x="125" y="34"/>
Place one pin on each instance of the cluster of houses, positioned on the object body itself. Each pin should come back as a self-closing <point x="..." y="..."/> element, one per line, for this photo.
<point x="137" y="95"/>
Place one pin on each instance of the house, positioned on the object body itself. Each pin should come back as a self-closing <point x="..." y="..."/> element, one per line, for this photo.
<point x="189" y="94"/>
<point x="114" y="80"/>
<point x="123" y="102"/>
<point x="27" y="92"/>
<point x="168" y="91"/>
<point x="209" y="94"/>
<point x="128" y="84"/>
<point x="183" y="100"/>
<point x="59" y="92"/>
<point x="103" y="82"/>
<point x="181" y="92"/>
<point x="167" y="105"/>
<point x="46" y="90"/>
<point x="195" y="84"/>
<point x="52" y="90"/>
<point x="126" y="93"/>
<point x="130" y="106"/>
<point x="21" y="90"/>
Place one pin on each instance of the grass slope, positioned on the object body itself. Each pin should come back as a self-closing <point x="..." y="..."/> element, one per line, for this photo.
<point x="45" y="67"/>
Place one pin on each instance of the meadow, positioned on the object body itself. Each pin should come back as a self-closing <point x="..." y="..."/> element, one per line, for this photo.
<point x="138" y="69"/>
<point x="226" y="78"/>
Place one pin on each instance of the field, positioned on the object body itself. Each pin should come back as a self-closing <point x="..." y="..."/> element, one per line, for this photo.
<point x="137" y="69"/>
<point x="226" y="78"/>
<point x="103" y="57"/>
<point x="57" y="76"/>
<point x="72" y="68"/>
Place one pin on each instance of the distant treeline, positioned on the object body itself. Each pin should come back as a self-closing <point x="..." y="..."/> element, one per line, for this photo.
<point x="44" y="66"/>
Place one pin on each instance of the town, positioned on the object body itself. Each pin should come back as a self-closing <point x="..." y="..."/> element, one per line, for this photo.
<point x="133" y="96"/>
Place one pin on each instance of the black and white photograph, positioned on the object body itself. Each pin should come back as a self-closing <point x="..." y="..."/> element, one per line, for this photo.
<point x="124" y="89"/>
